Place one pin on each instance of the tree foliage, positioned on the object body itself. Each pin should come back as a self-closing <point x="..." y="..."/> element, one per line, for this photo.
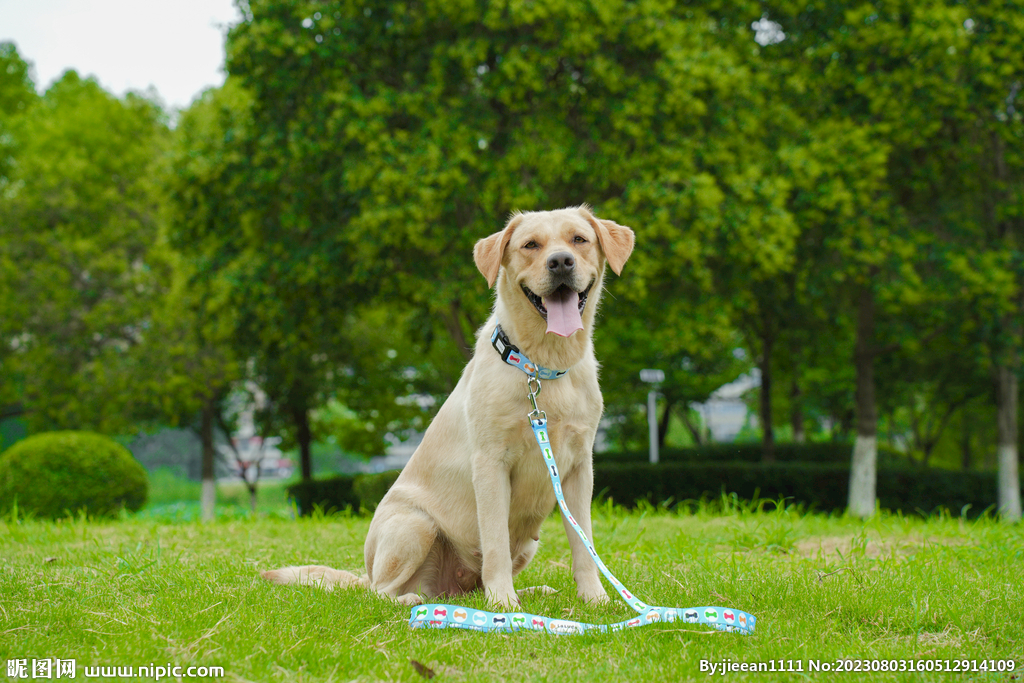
<point x="81" y="262"/>
<point x="831" y="193"/>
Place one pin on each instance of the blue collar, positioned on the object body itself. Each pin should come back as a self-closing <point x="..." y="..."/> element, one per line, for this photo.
<point x="511" y="354"/>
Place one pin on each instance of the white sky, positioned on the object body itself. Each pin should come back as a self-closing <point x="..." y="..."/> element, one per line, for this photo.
<point x="176" y="47"/>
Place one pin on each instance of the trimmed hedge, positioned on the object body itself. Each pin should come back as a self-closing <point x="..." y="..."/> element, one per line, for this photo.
<point x="819" y="486"/>
<point x="824" y="452"/>
<point x="56" y="473"/>
<point x="370" y="488"/>
<point x="822" y="487"/>
<point x="342" y="491"/>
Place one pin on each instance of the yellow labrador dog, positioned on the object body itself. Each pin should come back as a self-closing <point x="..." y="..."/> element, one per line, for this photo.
<point x="466" y="511"/>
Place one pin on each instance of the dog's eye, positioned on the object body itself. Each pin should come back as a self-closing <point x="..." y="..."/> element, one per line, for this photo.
<point x="579" y="240"/>
<point x="530" y="245"/>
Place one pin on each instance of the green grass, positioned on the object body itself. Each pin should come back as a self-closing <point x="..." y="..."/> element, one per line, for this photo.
<point x="142" y="590"/>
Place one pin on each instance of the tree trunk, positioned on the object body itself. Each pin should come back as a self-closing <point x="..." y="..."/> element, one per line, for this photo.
<point x="796" y="413"/>
<point x="1009" y="477"/>
<point x="1008" y="232"/>
<point x="453" y="323"/>
<point x="663" y="424"/>
<point x="915" y="430"/>
<point x="965" y="443"/>
<point x="252" y="498"/>
<point x="768" y="439"/>
<point x="209" y="492"/>
<point x="303" y="435"/>
<point x="863" y="478"/>
<point x="696" y="430"/>
<point x="931" y="436"/>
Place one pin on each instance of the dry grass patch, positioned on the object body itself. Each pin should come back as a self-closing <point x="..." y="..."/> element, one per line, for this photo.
<point x="844" y="547"/>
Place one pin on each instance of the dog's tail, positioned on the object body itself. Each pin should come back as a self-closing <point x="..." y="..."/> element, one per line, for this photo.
<point x="315" y="575"/>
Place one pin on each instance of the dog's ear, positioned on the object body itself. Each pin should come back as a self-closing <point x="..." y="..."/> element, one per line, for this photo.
<point x="489" y="251"/>
<point x="616" y="240"/>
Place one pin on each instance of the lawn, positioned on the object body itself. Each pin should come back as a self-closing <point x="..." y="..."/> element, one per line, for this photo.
<point x="827" y="591"/>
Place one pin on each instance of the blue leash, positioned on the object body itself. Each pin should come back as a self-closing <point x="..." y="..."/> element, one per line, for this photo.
<point x="439" y="615"/>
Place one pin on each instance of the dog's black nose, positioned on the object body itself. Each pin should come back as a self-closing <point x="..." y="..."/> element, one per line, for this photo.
<point x="561" y="263"/>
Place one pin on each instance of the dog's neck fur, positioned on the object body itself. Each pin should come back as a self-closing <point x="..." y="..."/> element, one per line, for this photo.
<point x="528" y="330"/>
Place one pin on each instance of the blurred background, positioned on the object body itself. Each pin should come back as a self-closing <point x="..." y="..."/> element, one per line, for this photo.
<point x="272" y="279"/>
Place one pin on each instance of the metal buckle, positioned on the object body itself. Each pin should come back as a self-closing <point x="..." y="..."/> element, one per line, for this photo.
<point x="533" y="386"/>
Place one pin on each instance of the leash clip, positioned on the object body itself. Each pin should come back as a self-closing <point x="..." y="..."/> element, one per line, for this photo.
<point x="533" y="388"/>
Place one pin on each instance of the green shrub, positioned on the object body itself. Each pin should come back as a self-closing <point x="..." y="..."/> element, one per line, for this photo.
<point x="332" y="494"/>
<point x="824" y="452"/>
<point x="823" y="487"/>
<point x="342" y="491"/>
<point x="819" y="486"/>
<point x="370" y="488"/>
<point x="51" y="474"/>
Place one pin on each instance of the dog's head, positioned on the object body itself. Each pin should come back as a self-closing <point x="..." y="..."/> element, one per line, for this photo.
<point x="554" y="259"/>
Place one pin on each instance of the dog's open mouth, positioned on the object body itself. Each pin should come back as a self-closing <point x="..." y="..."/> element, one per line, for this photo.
<point x="562" y="308"/>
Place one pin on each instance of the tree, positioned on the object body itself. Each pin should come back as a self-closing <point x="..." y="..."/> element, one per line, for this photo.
<point x="206" y="181"/>
<point x="963" y="185"/>
<point x="391" y="382"/>
<point x="264" y="221"/>
<point x="426" y="125"/>
<point x="80" y="211"/>
<point x="191" y="363"/>
<point x="996" y="74"/>
<point x="926" y="382"/>
<point x="692" y="340"/>
<point x="17" y="96"/>
<point x="283" y="266"/>
<point x="858" y="60"/>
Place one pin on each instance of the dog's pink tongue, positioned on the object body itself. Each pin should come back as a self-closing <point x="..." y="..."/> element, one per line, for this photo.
<point x="563" y="312"/>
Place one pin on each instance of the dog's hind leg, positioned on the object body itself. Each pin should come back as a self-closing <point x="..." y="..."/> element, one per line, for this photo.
<point x="315" y="575"/>
<point x="395" y="554"/>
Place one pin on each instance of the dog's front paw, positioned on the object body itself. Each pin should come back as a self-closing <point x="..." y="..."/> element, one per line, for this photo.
<point x="409" y="599"/>
<point x="598" y="597"/>
<point x="504" y="599"/>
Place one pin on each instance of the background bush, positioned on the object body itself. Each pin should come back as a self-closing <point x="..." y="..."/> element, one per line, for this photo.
<point x="54" y="473"/>
<point x="342" y="491"/>
<point x="370" y="488"/>
<point x="822" y="487"/>
<point x="824" y="452"/>
<point x="815" y="475"/>
<point x="332" y="494"/>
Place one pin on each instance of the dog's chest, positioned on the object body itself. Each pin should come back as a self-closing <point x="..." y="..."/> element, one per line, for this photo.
<point x="572" y="417"/>
<point x="569" y="445"/>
